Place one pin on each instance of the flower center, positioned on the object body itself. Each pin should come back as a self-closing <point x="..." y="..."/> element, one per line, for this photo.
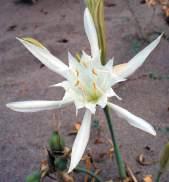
<point x="89" y="91"/>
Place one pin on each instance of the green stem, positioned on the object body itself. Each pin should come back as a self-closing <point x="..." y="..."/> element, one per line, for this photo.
<point x="83" y="170"/>
<point x="158" y="176"/>
<point x="120" y="163"/>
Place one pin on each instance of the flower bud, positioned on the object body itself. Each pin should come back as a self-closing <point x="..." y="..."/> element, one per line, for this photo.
<point x="96" y="8"/>
<point x="34" y="177"/>
<point x="60" y="163"/>
<point x="56" y="142"/>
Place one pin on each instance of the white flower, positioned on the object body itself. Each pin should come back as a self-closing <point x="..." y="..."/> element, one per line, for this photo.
<point x="88" y="84"/>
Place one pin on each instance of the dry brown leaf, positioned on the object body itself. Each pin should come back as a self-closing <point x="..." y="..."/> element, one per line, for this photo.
<point x="128" y="179"/>
<point x="66" y="177"/>
<point x="164" y="2"/>
<point x="141" y="160"/>
<point x="151" y="2"/>
<point x="77" y="126"/>
<point x="44" y="168"/>
<point x="166" y="11"/>
<point x="96" y="173"/>
<point x="148" y="178"/>
<point x="165" y="6"/>
<point x="67" y="152"/>
<point x="92" y="161"/>
<point x="89" y="162"/>
<point x="131" y="174"/>
<point x="88" y="167"/>
<point x="98" y="141"/>
<point x="111" y="152"/>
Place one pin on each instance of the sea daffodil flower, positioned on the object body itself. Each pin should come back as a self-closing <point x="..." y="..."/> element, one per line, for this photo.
<point x="88" y="84"/>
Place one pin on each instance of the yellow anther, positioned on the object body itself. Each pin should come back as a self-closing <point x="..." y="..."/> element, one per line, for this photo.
<point x="77" y="83"/>
<point x="82" y="90"/>
<point x="77" y="73"/>
<point x="84" y="64"/>
<point x="94" y="71"/>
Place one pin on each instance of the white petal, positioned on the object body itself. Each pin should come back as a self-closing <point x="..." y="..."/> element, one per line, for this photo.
<point x="91" y="32"/>
<point x="64" y="84"/>
<point x="91" y="107"/>
<point x="35" y="106"/>
<point x="116" y="79"/>
<point x="118" y="69"/>
<point x="73" y="62"/>
<point x="111" y="93"/>
<point x="102" y="101"/>
<point x="45" y="57"/>
<point x="139" y="59"/>
<point x="79" y="104"/>
<point x="109" y="64"/>
<point x="96" y="60"/>
<point x="85" y="58"/>
<point x="81" y="141"/>
<point x="132" y="119"/>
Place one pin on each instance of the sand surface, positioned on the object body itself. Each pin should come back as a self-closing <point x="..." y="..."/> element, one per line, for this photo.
<point x="58" y="24"/>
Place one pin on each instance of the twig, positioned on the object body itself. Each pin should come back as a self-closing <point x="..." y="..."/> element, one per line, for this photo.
<point x="130" y="173"/>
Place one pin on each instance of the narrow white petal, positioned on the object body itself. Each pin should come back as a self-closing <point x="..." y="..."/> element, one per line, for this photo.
<point x="132" y="119"/>
<point x="116" y="79"/>
<point x="96" y="60"/>
<point x="118" y="69"/>
<point x="35" y="106"/>
<point x="45" y="57"/>
<point x="85" y="58"/>
<point x="102" y="101"/>
<point x="81" y="141"/>
<point x="139" y="59"/>
<point x="79" y="104"/>
<point x="111" y="93"/>
<point x="91" y="32"/>
<point x="91" y="107"/>
<point x="109" y="64"/>
<point x="73" y="62"/>
<point x="64" y="84"/>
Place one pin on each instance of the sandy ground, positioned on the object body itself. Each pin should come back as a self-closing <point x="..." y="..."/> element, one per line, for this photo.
<point x="58" y="24"/>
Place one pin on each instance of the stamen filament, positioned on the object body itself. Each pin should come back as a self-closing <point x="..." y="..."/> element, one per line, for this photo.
<point x="94" y="71"/>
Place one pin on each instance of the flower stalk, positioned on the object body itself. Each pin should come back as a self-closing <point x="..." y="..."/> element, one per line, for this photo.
<point x="119" y="160"/>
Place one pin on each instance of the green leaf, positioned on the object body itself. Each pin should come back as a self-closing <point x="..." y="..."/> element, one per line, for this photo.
<point x="34" y="177"/>
<point x="56" y="142"/>
<point x="60" y="163"/>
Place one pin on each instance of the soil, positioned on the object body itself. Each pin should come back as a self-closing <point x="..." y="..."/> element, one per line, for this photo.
<point x="58" y="24"/>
